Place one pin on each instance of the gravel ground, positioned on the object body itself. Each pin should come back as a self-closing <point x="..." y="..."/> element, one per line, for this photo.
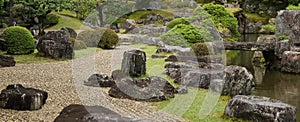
<point x="64" y="82"/>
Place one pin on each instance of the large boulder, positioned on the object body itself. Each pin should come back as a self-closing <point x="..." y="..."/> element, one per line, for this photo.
<point x="7" y="61"/>
<point x="56" y="44"/>
<point x="71" y="31"/>
<point x="288" y="24"/>
<point x="99" y="80"/>
<point x="80" y="113"/>
<point x="19" y="98"/>
<point x="290" y="62"/>
<point x="134" y="63"/>
<point x="238" y="81"/>
<point x="150" y="89"/>
<point x="260" y="109"/>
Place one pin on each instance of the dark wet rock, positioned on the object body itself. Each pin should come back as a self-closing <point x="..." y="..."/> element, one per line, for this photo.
<point x="282" y="46"/>
<point x="134" y="63"/>
<point x="129" y="25"/>
<point x="177" y="65"/>
<point x="2" y="45"/>
<point x="7" y="61"/>
<point x="147" y="89"/>
<point x="181" y="89"/>
<point x="99" y="80"/>
<point x="56" y="44"/>
<point x="71" y="31"/>
<point x="158" y="56"/>
<point x="19" y="98"/>
<point x="80" y="113"/>
<point x="238" y="81"/>
<point x="288" y="24"/>
<point x="290" y="62"/>
<point x="260" y="109"/>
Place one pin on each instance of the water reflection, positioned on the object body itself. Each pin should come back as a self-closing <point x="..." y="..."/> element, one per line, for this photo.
<point x="270" y="83"/>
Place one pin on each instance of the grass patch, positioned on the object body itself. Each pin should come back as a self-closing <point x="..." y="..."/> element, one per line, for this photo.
<point x="232" y="11"/>
<point x="36" y="57"/>
<point x="67" y="13"/>
<point x="293" y="7"/>
<point x="256" y="18"/>
<point x="65" y="21"/>
<point x="188" y="105"/>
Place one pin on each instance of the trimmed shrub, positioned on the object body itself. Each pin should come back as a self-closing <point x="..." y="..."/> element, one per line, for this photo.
<point x="177" y="21"/>
<point x="222" y="18"/>
<point x="109" y="39"/>
<point x="51" y="19"/>
<point x="18" y="40"/>
<point x="78" y="45"/>
<point x="200" y="49"/>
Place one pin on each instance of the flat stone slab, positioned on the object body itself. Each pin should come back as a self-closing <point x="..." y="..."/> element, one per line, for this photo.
<point x="19" y="98"/>
<point x="260" y="109"/>
<point x="80" y="113"/>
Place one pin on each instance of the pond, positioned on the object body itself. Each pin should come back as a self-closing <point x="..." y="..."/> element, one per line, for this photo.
<point x="270" y="83"/>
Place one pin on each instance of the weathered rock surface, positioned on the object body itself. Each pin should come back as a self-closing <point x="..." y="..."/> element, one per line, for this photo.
<point x="181" y="89"/>
<point x="147" y="89"/>
<point x="7" y="61"/>
<point x="258" y="58"/>
<point x="134" y="63"/>
<point x="281" y="46"/>
<point x="288" y="23"/>
<point x="128" y="25"/>
<point x="80" y="113"/>
<point x="140" y="39"/>
<point x="290" y="62"/>
<point x="238" y="81"/>
<point x="56" y="44"/>
<point x="158" y="56"/>
<point x="260" y="109"/>
<point x="71" y="31"/>
<point x="205" y="59"/>
<point x="99" y="80"/>
<point x="19" y="98"/>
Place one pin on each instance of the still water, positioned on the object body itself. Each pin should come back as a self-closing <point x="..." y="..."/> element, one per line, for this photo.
<point x="270" y="83"/>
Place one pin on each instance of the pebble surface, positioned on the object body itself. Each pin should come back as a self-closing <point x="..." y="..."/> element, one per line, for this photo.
<point x="63" y="80"/>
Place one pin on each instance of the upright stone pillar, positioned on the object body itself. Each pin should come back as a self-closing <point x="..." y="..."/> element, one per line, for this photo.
<point x="134" y="63"/>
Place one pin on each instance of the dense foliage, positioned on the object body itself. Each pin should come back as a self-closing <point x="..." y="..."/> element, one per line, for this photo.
<point x="222" y="19"/>
<point x="177" y="21"/>
<point x="293" y="7"/>
<point x="82" y="7"/>
<point x="51" y="19"/>
<point x="18" y="40"/>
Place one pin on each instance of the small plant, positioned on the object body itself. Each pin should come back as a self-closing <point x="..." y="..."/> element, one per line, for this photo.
<point x="269" y="28"/>
<point x="293" y="7"/>
<point x="283" y="37"/>
<point x="177" y="21"/>
<point x="109" y="39"/>
<point x="18" y="40"/>
<point x="200" y="49"/>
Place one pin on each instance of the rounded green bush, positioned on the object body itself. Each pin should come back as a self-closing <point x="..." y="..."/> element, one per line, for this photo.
<point x="200" y="49"/>
<point x="177" y="21"/>
<point x="51" y="19"/>
<point x="18" y="40"/>
<point x="78" y="45"/>
<point x="109" y="39"/>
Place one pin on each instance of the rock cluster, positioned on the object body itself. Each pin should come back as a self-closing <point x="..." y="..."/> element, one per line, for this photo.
<point x="99" y="80"/>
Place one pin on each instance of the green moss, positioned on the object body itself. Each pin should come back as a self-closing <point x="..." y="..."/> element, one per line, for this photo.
<point x="67" y="13"/>
<point x="256" y="18"/>
<point x="269" y="28"/>
<point x="65" y="21"/>
<point x="293" y="7"/>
